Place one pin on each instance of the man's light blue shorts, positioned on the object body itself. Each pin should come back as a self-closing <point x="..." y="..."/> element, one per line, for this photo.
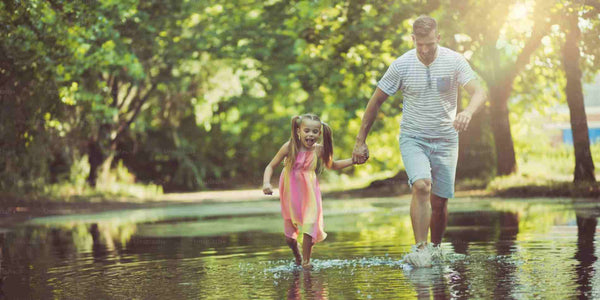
<point x="431" y="158"/>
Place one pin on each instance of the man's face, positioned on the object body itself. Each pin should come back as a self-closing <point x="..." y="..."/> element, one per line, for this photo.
<point x="427" y="45"/>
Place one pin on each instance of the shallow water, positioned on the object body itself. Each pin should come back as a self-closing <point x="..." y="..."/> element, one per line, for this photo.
<point x="495" y="248"/>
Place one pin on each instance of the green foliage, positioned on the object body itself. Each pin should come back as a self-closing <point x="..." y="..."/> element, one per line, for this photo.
<point x="193" y="95"/>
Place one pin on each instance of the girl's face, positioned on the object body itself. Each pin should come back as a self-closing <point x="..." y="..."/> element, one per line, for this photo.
<point x="309" y="132"/>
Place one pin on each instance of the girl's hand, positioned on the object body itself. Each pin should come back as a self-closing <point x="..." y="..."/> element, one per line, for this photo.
<point x="360" y="154"/>
<point x="267" y="190"/>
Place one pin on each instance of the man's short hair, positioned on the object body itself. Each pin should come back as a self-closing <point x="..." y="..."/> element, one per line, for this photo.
<point x="423" y="25"/>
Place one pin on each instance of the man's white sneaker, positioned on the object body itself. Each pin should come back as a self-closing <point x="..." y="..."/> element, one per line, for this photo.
<point x="437" y="254"/>
<point x="418" y="257"/>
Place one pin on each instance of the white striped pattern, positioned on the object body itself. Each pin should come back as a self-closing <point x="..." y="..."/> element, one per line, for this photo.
<point x="428" y="111"/>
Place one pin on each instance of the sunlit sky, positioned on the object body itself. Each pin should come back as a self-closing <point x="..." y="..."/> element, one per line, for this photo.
<point x="519" y="11"/>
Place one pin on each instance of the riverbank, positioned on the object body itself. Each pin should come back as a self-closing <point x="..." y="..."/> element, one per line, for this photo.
<point x="18" y="208"/>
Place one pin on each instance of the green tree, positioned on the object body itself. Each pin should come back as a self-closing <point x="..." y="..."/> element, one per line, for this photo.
<point x="30" y="137"/>
<point x="499" y="53"/>
<point x="584" y="165"/>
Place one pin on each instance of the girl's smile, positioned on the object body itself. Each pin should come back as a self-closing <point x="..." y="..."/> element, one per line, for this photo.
<point x="309" y="133"/>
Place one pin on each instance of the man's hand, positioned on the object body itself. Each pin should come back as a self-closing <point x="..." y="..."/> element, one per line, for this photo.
<point x="462" y="120"/>
<point x="360" y="153"/>
<point x="267" y="189"/>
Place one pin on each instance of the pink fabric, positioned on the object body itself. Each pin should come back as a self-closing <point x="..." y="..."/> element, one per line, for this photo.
<point x="301" y="198"/>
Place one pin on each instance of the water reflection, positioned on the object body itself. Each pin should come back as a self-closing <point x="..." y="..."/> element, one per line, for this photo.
<point x="508" y="224"/>
<point x="586" y="230"/>
<point x="2" y="277"/>
<point x="430" y="282"/>
<point x="313" y="287"/>
<point x="503" y="249"/>
<point x="497" y="230"/>
<point x="465" y="228"/>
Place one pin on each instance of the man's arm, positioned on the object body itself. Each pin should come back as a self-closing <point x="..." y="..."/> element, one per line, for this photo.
<point x="478" y="95"/>
<point x="478" y="98"/>
<point x="370" y="114"/>
<point x="361" y="151"/>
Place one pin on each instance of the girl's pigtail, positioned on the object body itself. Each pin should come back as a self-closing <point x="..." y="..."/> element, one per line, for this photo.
<point x="294" y="143"/>
<point x="327" y="145"/>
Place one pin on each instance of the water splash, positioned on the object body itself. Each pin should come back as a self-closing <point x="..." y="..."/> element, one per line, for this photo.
<point x="287" y="266"/>
<point x="323" y="264"/>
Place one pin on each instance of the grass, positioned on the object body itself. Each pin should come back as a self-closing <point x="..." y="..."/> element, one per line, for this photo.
<point x="117" y="186"/>
<point x="543" y="172"/>
<point x="66" y="192"/>
<point x="546" y="172"/>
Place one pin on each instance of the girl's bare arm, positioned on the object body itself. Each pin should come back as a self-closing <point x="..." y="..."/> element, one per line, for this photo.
<point x="281" y="154"/>
<point x="340" y="164"/>
<point x="337" y="164"/>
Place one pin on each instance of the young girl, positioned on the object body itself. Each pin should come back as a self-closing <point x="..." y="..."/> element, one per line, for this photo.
<point x="298" y="186"/>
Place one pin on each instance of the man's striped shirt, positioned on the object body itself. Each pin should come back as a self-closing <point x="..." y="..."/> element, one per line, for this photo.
<point x="430" y="92"/>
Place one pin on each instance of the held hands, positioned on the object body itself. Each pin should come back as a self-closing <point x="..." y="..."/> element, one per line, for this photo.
<point x="267" y="189"/>
<point x="462" y="120"/>
<point x="360" y="154"/>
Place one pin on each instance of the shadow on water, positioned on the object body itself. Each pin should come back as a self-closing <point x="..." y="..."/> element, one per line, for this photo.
<point x="495" y="249"/>
<point x="585" y="255"/>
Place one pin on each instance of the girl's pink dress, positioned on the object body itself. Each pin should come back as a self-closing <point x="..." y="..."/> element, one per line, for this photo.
<point x="301" y="198"/>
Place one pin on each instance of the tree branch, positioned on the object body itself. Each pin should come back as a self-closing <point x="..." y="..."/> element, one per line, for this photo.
<point x="141" y="103"/>
<point x="124" y="99"/>
<point x="593" y="3"/>
<point x="114" y="91"/>
<point x="540" y="29"/>
<point x="124" y="124"/>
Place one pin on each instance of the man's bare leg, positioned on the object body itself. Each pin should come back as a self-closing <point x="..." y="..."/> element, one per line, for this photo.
<point x="420" y="210"/>
<point x="439" y="218"/>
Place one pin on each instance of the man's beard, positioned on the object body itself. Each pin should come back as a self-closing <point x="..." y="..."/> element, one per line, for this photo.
<point x="430" y="56"/>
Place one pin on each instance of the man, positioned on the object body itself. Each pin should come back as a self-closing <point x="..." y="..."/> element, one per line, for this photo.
<point x="429" y="77"/>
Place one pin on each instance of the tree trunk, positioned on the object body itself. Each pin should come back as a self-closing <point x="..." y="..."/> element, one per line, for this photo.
<point x="105" y="168"/>
<point x="476" y="151"/>
<point x="101" y="151"/>
<point x="500" y="82"/>
<point x="102" y="148"/>
<point x="505" y="150"/>
<point x="95" y="158"/>
<point x="100" y="161"/>
<point x="584" y="165"/>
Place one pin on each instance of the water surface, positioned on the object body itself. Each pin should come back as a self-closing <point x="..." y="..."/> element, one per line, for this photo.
<point x="496" y="248"/>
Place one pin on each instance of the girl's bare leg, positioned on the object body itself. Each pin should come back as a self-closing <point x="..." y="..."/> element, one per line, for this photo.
<point x="307" y="245"/>
<point x="294" y="246"/>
